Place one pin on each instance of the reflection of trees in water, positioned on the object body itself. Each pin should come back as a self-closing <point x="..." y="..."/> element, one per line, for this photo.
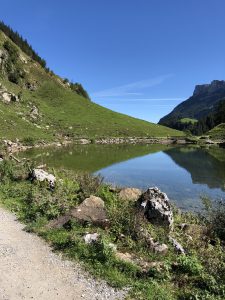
<point x="205" y="166"/>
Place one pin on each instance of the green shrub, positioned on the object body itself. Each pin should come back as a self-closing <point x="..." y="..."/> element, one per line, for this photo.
<point x="28" y="141"/>
<point x="12" y="51"/>
<point x="89" y="184"/>
<point x="189" y="265"/>
<point x="214" y="214"/>
<point x="14" y="77"/>
<point x="12" y="171"/>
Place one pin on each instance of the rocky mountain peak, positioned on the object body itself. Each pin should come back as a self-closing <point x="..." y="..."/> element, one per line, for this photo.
<point x="214" y="86"/>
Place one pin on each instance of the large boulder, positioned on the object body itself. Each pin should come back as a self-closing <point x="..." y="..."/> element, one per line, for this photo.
<point x="6" y="96"/>
<point x="91" y="210"/>
<point x="129" y="194"/>
<point x="156" y="207"/>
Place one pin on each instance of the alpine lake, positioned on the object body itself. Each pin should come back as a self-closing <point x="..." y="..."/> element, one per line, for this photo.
<point x="184" y="173"/>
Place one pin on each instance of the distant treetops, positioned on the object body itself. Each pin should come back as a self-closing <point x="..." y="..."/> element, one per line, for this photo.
<point x="22" y="43"/>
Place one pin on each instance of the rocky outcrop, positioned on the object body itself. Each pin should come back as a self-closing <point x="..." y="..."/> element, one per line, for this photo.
<point x="31" y="86"/>
<point x="6" y="96"/>
<point x="130" y="194"/>
<point x="34" y="113"/>
<point x="41" y="175"/>
<point x="156" y="207"/>
<point x="91" y="210"/>
<point x="213" y="87"/>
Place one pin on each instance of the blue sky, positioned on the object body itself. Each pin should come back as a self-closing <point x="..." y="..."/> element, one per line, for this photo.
<point x="139" y="57"/>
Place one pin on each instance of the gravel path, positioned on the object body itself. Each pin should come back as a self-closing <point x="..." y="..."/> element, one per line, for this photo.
<point x="30" y="270"/>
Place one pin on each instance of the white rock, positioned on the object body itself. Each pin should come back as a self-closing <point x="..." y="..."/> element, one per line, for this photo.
<point x="42" y="175"/>
<point x="178" y="247"/>
<point x="90" y="238"/>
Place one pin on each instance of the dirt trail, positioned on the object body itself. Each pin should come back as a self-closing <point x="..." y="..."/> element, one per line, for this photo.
<point x="30" y="270"/>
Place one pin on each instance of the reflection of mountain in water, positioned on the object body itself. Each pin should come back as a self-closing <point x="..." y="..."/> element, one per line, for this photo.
<point x="205" y="166"/>
<point x="90" y="158"/>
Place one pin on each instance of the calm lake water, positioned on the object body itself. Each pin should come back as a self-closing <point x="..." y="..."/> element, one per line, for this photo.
<point x="185" y="173"/>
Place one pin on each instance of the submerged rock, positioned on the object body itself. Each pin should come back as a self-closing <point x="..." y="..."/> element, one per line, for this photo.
<point x="156" y="207"/>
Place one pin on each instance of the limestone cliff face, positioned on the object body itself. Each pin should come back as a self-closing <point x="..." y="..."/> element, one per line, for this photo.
<point x="213" y="87"/>
<point x="203" y="101"/>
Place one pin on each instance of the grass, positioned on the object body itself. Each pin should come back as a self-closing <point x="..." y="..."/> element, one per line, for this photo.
<point x="218" y="132"/>
<point x="188" y="120"/>
<point x="199" y="274"/>
<point x="62" y="112"/>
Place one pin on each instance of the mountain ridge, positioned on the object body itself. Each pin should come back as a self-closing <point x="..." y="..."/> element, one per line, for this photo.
<point x="204" y="101"/>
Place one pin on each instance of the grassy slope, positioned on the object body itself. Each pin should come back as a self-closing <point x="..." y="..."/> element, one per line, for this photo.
<point x="64" y="112"/>
<point x="217" y="132"/>
<point x="188" y="120"/>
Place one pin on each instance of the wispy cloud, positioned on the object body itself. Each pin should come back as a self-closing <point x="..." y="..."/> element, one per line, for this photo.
<point x="131" y="88"/>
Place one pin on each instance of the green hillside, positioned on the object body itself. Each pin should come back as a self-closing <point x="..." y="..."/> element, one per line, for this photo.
<point x="48" y="108"/>
<point x="217" y="132"/>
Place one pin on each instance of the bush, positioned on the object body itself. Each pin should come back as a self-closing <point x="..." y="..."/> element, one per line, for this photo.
<point x="10" y="171"/>
<point x="29" y="141"/>
<point x="12" y="51"/>
<point x="189" y="265"/>
<point x="89" y="184"/>
<point x="214" y="215"/>
<point x="14" y="77"/>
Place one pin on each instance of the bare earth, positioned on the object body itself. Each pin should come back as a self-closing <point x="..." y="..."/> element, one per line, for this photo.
<point x="30" y="270"/>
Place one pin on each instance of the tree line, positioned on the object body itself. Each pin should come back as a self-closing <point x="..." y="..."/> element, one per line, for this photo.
<point x="205" y="123"/>
<point x="22" y="43"/>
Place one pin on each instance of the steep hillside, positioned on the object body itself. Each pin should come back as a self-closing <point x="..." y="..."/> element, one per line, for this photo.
<point x="35" y="104"/>
<point x="203" y="102"/>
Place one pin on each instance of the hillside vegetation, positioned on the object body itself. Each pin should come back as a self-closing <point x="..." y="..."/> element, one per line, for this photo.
<point x="217" y="132"/>
<point x="36" y="104"/>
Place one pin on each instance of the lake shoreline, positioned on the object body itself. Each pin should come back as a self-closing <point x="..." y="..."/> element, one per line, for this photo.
<point x="14" y="147"/>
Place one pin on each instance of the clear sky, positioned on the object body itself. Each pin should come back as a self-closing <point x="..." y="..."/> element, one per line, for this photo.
<point x="139" y="57"/>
